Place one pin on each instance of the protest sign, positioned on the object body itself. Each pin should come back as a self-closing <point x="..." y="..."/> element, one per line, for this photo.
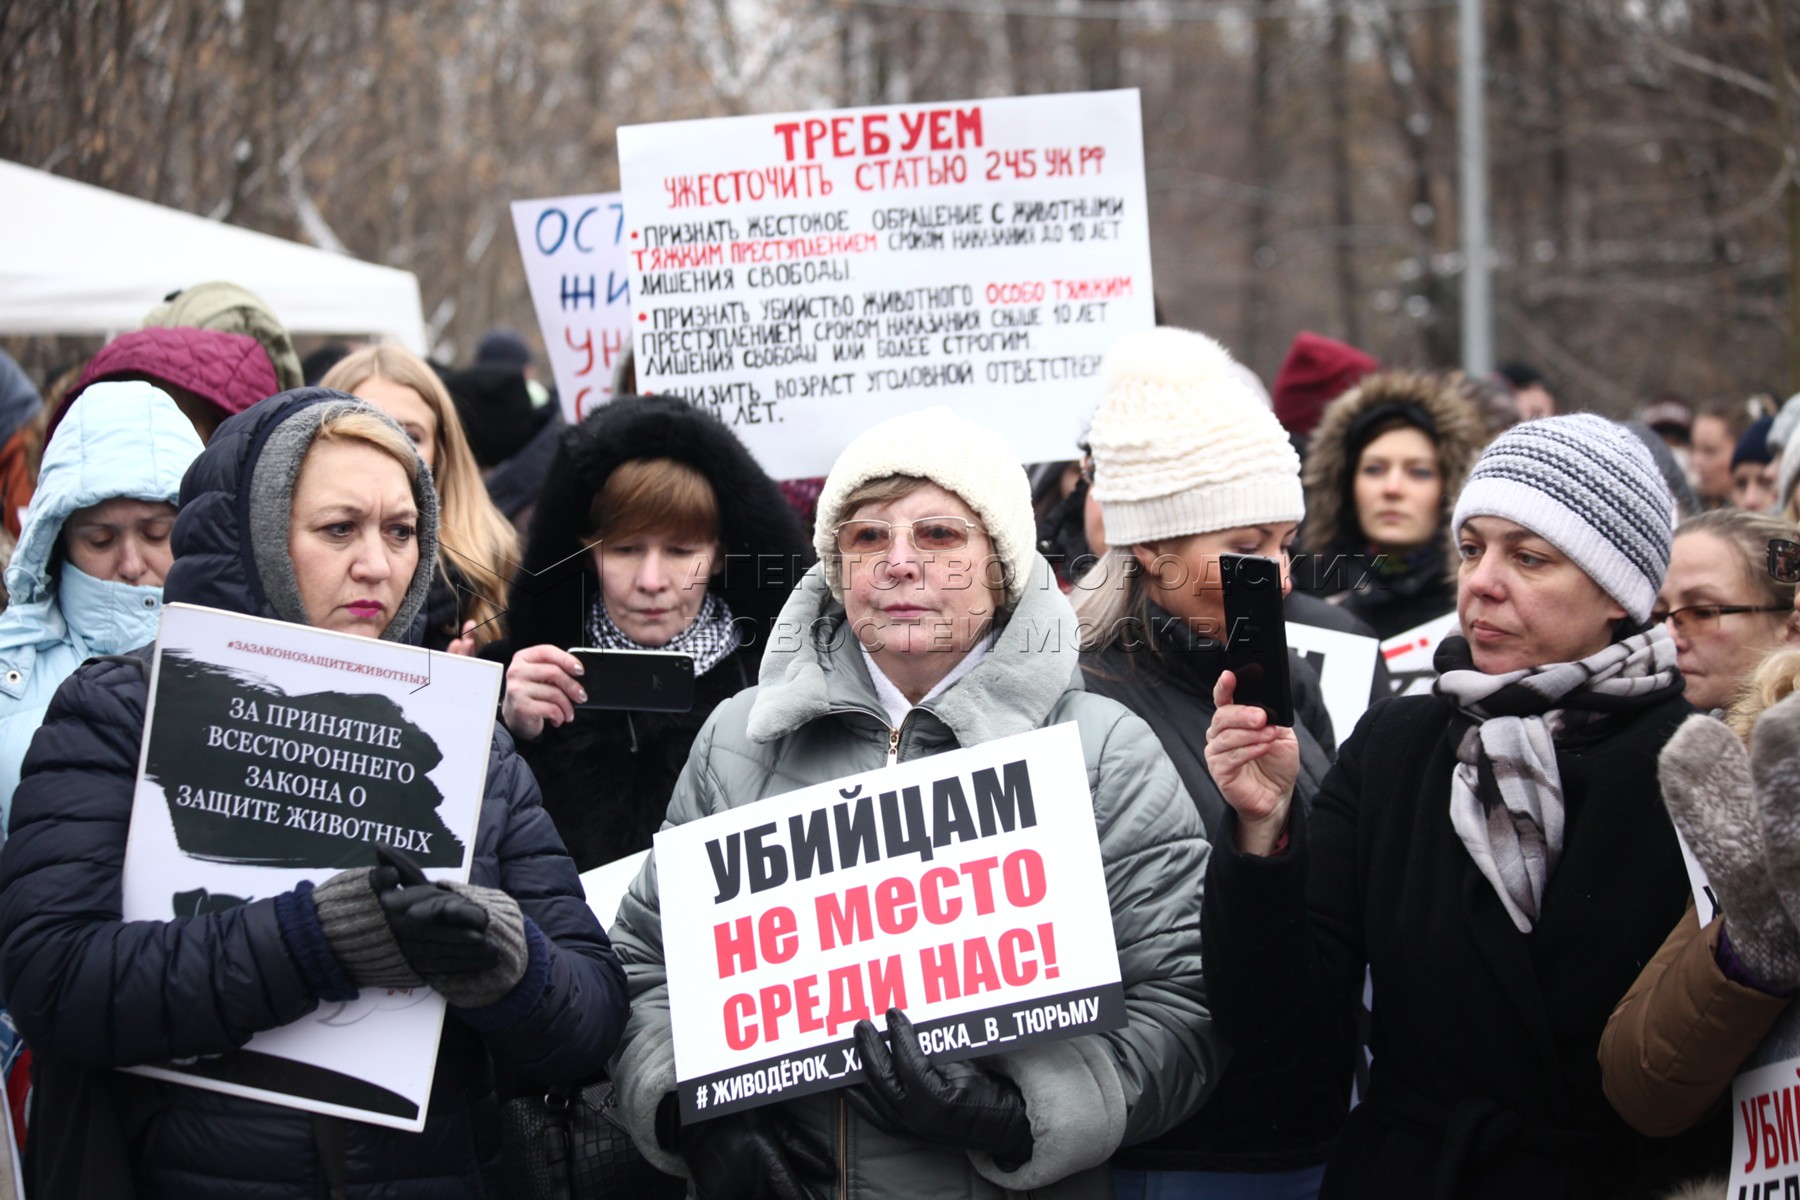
<point x="965" y="888"/>
<point x="805" y="275"/>
<point x="1346" y="666"/>
<point x="605" y="886"/>
<point x="275" y="753"/>
<point x="1409" y="654"/>
<point x="1765" y="1105"/>
<point x="574" y="252"/>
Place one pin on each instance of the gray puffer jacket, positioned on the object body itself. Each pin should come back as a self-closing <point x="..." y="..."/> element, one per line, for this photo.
<point x="815" y="717"/>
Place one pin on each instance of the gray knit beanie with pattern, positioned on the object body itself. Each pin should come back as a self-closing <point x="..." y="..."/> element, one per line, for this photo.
<point x="1588" y="487"/>
<point x="272" y="509"/>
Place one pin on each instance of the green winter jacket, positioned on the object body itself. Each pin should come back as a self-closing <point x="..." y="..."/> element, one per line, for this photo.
<point x="815" y="717"/>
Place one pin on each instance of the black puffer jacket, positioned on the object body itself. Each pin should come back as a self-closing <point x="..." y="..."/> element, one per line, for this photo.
<point x="607" y="776"/>
<point x="92" y="992"/>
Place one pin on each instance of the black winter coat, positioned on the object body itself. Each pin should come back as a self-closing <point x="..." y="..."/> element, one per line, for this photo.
<point x="1276" y="1107"/>
<point x="90" y="991"/>
<point x="607" y="776"/>
<point x="1485" y="1082"/>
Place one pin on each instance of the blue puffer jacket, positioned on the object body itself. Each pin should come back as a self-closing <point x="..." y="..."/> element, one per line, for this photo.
<point x="89" y="990"/>
<point x="119" y="439"/>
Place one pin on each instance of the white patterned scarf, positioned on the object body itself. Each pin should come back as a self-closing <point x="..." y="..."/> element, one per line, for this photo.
<point x="1506" y="796"/>
<point x="712" y="636"/>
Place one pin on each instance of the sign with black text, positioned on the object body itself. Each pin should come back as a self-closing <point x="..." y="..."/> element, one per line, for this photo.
<point x="965" y="888"/>
<point x="274" y="753"/>
<point x="804" y="275"/>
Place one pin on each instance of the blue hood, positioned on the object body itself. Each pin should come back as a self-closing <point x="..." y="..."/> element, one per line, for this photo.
<point x="118" y="439"/>
<point x="19" y="400"/>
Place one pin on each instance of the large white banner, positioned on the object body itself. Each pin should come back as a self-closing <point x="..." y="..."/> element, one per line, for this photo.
<point x="574" y="253"/>
<point x="965" y="888"/>
<point x="274" y="753"/>
<point x="805" y="275"/>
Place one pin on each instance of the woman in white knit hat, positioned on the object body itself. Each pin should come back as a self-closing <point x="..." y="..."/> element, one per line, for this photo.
<point x="1189" y="464"/>
<point x="930" y="624"/>
<point x="1496" y="854"/>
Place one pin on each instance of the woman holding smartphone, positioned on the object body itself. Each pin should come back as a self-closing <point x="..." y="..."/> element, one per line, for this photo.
<point x="655" y="530"/>
<point x="1496" y="853"/>
<point x="1188" y="466"/>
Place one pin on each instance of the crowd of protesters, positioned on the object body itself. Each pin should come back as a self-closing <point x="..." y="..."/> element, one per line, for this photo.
<point x="1454" y="950"/>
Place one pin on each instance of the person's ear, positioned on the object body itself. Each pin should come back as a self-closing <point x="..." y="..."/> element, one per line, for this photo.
<point x="1146" y="554"/>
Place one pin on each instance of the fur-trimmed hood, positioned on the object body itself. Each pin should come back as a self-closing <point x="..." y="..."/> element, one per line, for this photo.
<point x="762" y="545"/>
<point x="1329" y="473"/>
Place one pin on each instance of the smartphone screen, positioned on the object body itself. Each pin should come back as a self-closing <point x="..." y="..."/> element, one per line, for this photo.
<point x="637" y="680"/>
<point x="1256" y="634"/>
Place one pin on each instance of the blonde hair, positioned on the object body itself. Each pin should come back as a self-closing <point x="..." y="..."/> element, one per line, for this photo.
<point x="363" y="428"/>
<point x="1775" y="679"/>
<point x="1110" y="600"/>
<point x="470" y="528"/>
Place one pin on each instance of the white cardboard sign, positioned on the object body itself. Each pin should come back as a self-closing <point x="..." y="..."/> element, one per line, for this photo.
<point x="805" y="275"/>
<point x="965" y="888"/>
<point x="1346" y="665"/>
<point x="1409" y="654"/>
<point x="275" y="753"/>
<point x="574" y="253"/>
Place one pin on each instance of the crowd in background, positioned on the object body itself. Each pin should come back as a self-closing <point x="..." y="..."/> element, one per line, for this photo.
<point x="1454" y="951"/>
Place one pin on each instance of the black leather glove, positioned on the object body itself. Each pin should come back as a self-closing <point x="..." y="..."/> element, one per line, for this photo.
<point x="961" y="1104"/>
<point x="438" y="931"/>
<point x="753" y="1155"/>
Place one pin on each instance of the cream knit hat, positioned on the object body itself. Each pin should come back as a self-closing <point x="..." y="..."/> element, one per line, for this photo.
<point x="1181" y="445"/>
<point x="956" y="454"/>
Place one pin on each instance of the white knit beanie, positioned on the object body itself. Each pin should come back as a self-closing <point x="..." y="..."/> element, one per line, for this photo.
<point x="1588" y="487"/>
<point x="1181" y="445"/>
<point x="959" y="456"/>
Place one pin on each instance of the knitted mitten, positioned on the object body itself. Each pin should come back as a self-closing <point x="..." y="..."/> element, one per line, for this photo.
<point x="351" y="915"/>
<point x="505" y="934"/>
<point x="1706" y="785"/>
<point x="1775" y="761"/>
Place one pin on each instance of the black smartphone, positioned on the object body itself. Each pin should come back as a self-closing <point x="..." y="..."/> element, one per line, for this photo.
<point x="1256" y="634"/>
<point x="637" y="680"/>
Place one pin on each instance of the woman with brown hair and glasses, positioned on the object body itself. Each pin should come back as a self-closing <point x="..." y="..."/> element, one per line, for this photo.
<point x="1723" y="609"/>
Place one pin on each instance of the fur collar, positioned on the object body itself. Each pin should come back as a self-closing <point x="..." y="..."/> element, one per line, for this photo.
<point x="812" y="667"/>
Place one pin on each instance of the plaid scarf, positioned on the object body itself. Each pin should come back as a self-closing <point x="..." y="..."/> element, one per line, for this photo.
<point x="712" y="636"/>
<point x="1506" y="797"/>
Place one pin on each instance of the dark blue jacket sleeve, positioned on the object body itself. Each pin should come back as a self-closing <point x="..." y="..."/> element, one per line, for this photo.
<point x="570" y="1008"/>
<point x="83" y="985"/>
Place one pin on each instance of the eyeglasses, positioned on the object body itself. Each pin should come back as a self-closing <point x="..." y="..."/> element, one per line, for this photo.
<point x="1699" y="618"/>
<point x="1784" y="560"/>
<point x="930" y="535"/>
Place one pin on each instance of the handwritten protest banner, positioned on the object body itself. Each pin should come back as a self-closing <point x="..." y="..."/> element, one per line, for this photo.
<point x="965" y="888"/>
<point x="574" y="252"/>
<point x="805" y="275"/>
<point x="275" y="753"/>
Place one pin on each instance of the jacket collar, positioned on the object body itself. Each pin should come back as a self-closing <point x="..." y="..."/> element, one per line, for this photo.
<point x="813" y="667"/>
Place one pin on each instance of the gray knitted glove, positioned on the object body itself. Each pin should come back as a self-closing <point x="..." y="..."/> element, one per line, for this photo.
<point x="1775" y="760"/>
<point x="505" y="936"/>
<point x="1706" y="784"/>
<point x="350" y="912"/>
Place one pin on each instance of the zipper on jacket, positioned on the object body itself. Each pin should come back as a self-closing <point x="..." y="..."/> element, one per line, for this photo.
<point x="843" y="1148"/>
<point x="893" y="745"/>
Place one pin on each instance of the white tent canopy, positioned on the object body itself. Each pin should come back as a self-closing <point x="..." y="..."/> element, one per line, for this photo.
<point x="81" y="259"/>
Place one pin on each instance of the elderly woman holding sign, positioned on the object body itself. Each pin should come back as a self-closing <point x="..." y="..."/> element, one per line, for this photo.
<point x="930" y="625"/>
<point x="313" y="508"/>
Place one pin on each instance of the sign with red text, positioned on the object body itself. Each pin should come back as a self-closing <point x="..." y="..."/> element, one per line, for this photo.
<point x="965" y="888"/>
<point x="1409" y="655"/>
<point x="1765" y="1103"/>
<point x="273" y="754"/>
<point x="805" y="275"/>
<point x="574" y="252"/>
